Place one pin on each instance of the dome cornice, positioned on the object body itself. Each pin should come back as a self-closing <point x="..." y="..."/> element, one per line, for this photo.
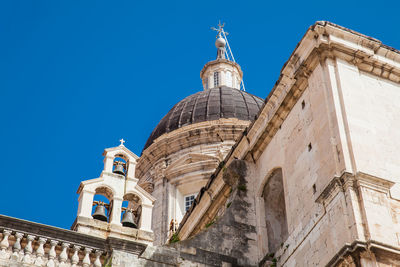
<point x="206" y="133"/>
<point x="219" y="61"/>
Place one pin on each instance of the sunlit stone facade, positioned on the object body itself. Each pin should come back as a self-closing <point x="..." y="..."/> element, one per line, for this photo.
<point x="308" y="178"/>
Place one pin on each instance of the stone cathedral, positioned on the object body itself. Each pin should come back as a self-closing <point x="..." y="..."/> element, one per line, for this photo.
<point x="310" y="176"/>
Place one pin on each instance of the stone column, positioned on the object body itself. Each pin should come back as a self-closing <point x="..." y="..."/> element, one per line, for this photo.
<point x="146" y="217"/>
<point x="115" y="217"/>
<point x="131" y="169"/>
<point x="75" y="256"/>
<point x="4" y="244"/>
<point x="108" y="164"/>
<point x="85" y="204"/>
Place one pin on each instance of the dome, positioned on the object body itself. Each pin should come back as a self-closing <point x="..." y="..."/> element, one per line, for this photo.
<point x="208" y="105"/>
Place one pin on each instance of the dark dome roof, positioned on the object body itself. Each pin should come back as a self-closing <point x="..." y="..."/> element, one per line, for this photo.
<point x="212" y="104"/>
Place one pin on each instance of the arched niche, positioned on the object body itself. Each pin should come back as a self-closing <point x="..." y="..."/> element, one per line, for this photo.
<point x="105" y="191"/>
<point x="133" y="202"/>
<point x="120" y="161"/>
<point x="103" y="194"/>
<point x="122" y="155"/>
<point x="274" y="206"/>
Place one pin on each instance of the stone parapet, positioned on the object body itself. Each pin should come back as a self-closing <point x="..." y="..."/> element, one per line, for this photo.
<point x="26" y="243"/>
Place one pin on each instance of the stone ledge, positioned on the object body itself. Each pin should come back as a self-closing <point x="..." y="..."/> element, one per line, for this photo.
<point x="107" y="230"/>
<point x="51" y="232"/>
<point x="346" y="180"/>
<point x="357" y="247"/>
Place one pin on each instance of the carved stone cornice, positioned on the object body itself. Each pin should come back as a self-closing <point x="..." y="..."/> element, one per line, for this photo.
<point x="361" y="248"/>
<point x="336" y="185"/>
<point x="208" y="132"/>
<point x="220" y="60"/>
<point x="373" y="182"/>
<point x="347" y="180"/>
<point x="323" y="40"/>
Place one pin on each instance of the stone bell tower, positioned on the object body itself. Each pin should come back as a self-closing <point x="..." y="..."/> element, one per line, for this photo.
<point x="118" y="184"/>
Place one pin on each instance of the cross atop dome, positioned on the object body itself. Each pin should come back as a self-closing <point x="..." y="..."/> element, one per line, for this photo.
<point x="220" y="43"/>
<point x="220" y="29"/>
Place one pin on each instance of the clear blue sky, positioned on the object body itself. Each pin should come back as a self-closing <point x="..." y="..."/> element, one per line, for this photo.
<point x="76" y="76"/>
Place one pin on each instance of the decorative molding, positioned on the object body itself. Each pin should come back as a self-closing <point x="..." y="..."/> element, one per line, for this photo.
<point x="358" y="247"/>
<point x="373" y="182"/>
<point x="221" y="60"/>
<point x="346" y="180"/>
<point x="121" y="147"/>
<point x="336" y="185"/>
<point x="182" y="139"/>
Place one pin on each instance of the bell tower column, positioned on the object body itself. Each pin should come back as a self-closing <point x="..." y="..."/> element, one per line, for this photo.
<point x="116" y="211"/>
<point x="146" y="217"/>
<point x="85" y="204"/>
<point x="108" y="164"/>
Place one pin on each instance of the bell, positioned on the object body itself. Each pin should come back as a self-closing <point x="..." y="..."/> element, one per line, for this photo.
<point x="119" y="169"/>
<point x="128" y="219"/>
<point x="100" y="213"/>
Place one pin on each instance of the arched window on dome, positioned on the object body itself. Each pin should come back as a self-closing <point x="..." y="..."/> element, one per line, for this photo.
<point x="275" y="210"/>
<point x="216" y="79"/>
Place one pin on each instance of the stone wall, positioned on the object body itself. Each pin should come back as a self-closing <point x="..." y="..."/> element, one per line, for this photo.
<point x="372" y="106"/>
<point x="306" y="149"/>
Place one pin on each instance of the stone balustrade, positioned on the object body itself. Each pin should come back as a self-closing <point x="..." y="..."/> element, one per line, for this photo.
<point x="25" y="243"/>
<point x="24" y="249"/>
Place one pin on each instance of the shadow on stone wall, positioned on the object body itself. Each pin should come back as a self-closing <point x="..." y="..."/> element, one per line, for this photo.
<point x="230" y="238"/>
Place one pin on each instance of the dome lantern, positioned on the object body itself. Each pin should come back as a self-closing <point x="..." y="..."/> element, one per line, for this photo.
<point x="222" y="71"/>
